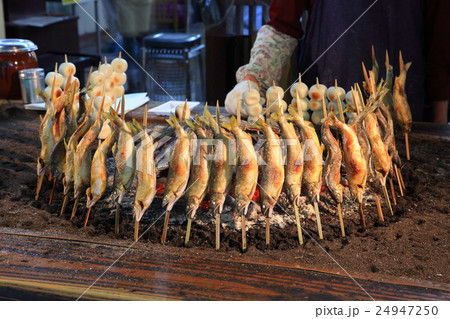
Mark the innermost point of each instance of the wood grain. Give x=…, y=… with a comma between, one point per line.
x=34, y=267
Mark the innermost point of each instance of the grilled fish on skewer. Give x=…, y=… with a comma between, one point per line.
x=146, y=175
x=178, y=176
x=294, y=158
x=355, y=162
x=312, y=164
x=272, y=173
x=247, y=167
x=388, y=99
x=199, y=175
x=99, y=176
x=221, y=167
x=83, y=160
x=401, y=106
x=47, y=142
x=246, y=173
x=294, y=165
x=124, y=156
x=332, y=166
x=69, y=169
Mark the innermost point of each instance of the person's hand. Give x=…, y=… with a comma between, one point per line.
x=235, y=96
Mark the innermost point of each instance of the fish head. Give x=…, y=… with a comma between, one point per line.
x=192, y=205
x=313, y=190
x=293, y=193
x=242, y=205
x=217, y=200
x=356, y=192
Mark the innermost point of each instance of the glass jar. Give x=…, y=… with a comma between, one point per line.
x=15, y=55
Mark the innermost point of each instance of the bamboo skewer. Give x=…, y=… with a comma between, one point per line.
x=64, y=204
x=188, y=230
x=391, y=183
x=136, y=230
x=401, y=178
x=299, y=226
x=267, y=230
x=341, y=219
x=361, y=215
x=217, y=231
x=379, y=210
x=39, y=185
x=118, y=206
x=50, y=201
x=407, y=146
x=386, y=196
x=117, y=218
x=166, y=225
x=318, y=221
x=243, y=233
x=87, y=217
x=399, y=181
x=75, y=207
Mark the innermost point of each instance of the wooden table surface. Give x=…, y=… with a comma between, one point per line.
x=34, y=266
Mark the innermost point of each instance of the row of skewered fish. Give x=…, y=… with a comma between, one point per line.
x=198, y=166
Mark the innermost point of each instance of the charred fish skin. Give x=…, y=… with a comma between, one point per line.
x=272, y=170
x=47, y=139
x=124, y=156
x=200, y=169
x=380, y=156
x=146, y=175
x=99, y=176
x=354, y=160
x=389, y=137
x=69, y=170
x=83, y=159
x=294, y=158
x=179, y=166
x=246, y=168
x=221, y=166
x=312, y=156
x=332, y=167
x=401, y=106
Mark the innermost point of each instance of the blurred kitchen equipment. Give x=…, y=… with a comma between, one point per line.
x=15, y=55
x=30, y=80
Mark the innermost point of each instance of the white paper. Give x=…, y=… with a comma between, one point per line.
x=169, y=107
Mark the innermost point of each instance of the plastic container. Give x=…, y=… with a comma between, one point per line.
x=15, y=55
x=30, y=80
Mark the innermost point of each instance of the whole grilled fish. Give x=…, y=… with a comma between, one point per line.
x=294, y=158
x=401, y=106
x=380, y=157
x=272, y=170
x=179, y=166
x=221, y=166
x=145, y=173
x=200, y=169
x=312, y=157
x=246, y=168
x=83, y=159
x=124, y=156
x=99, y=176
x=332, y=167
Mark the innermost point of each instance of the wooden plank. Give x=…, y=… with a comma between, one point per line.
x=46, y=268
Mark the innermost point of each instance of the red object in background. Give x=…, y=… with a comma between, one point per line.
x=15, y=55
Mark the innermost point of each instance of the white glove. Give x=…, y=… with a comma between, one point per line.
x=235, y=96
